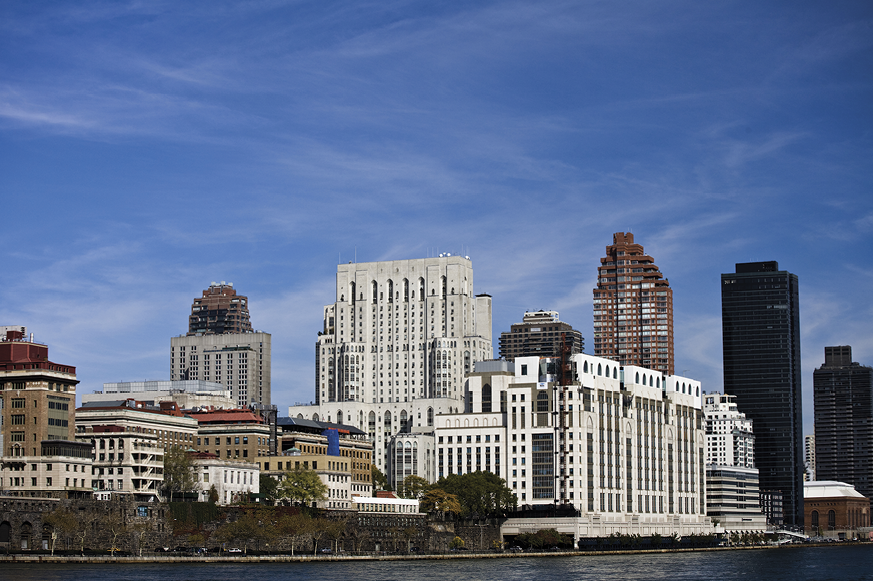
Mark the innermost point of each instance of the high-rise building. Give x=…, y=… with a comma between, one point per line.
x=38, y=456
x=221, y=346
x=396, y=345
x=633, y=308
x=239, y=361
x=219, y=311
x=38, y=397
x=761, y=350
x=843, y=396
x=539, y=335
x=732, y=496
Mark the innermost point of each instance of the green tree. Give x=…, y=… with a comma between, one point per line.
x=249, y=529
x=412, y=486
x=437, y=499
x=295, y=526
x=269, y=488
x=178, y=471
x=380, y=481
x=335, y=530
x=302, y=485
x=318, y=529
x=480, y=493
x=456, y=543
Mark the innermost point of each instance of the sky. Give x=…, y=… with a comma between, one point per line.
x=148, y=149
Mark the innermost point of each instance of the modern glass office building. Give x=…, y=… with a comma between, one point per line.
x=761, y=350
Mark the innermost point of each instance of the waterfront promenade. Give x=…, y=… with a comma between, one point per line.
x=309, y=558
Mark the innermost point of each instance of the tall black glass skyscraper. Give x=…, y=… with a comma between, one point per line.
x=843, y=392
x=760, y=317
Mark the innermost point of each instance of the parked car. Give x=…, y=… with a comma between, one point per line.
x=516, y=549
x=234, y=550
x=326, y=551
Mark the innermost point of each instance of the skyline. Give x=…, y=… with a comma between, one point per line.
x=150, y=149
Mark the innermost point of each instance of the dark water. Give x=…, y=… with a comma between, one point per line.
x=795, y=564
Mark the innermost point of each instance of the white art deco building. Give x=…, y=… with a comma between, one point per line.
x=621, y=447
x=396, y=345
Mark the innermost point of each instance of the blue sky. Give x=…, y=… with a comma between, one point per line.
x=149, y=148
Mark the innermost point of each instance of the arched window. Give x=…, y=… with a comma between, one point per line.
x=339, y=417
x=421, y=289
x=638, y=377
x=5, y=534
x=403, y=420
x=429, y=416
x=658, y=383
x=585, y=367
x=353, y=293
x=486, y=398
x=443, y=279
x=387, y=421
x=375, y=291
x=832, y=520
x=390, y=291
x=599, y=369
x=814, y=519
x=697, y=391
x=405, y=290
x=615, y=372
x=607, y=371
x=314, y=417
x=371, y=423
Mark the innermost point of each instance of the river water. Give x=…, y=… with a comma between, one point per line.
x=842, y=563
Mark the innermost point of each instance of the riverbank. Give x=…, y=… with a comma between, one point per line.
x=214, y=559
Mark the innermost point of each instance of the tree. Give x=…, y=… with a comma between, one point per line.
x=437, y=499
x=269, y=488
x=412, y=486
x=87, y=524
x=139, y=531
x=409, y=533
x=248, y=529
x=380, y=481
x=480, y=493
x=317, y=530
x=294, y=526
x=456, y=543
x=302, y=485
x=114, y=523
x=63, y=522
x=334, y=530
x=178, y=471
x=358, y=536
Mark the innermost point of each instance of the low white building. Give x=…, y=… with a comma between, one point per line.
x=385, y=505
x=187, y=394
x=233, y=481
